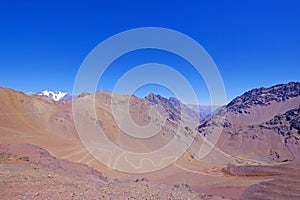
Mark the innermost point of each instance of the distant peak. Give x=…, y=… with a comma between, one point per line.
x=83, y=94
x=151, y=94
x=55, y=95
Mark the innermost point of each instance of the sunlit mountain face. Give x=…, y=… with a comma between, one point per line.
x=258, y=138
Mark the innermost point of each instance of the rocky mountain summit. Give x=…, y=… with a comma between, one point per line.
x=264, y=96
x=173, y=107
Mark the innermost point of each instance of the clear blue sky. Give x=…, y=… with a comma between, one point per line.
x=254, y=43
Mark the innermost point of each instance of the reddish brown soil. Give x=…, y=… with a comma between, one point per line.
x=29, y=172
x=284, y=181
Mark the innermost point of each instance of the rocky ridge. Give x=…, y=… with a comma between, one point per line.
x=264, y=97
x=173, y=108
x=262, y=124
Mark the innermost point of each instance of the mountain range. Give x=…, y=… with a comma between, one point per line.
x=259, y=127
x=203, y=110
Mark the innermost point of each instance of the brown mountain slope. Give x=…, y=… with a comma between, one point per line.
x=173, y=108
x=244, y=133
x=50, y=125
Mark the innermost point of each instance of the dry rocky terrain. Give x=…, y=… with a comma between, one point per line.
x=29, y=172
x=256, y=157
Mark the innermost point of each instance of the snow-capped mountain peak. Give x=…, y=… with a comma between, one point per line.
x=55, y=95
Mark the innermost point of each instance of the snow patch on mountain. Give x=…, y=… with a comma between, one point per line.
x=55, y=95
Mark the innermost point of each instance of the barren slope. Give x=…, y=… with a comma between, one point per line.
x=29, y=172
x=245, y=134
x=246, y=138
